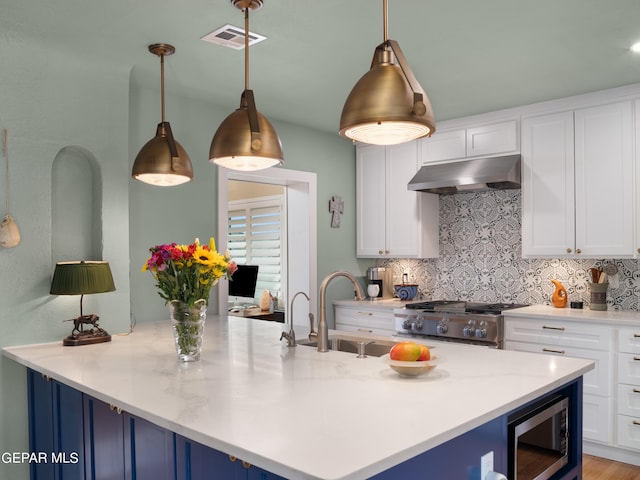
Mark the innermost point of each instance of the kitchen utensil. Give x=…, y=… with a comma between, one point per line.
x=9, y=233
x=596, y=274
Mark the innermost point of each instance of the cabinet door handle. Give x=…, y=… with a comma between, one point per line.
x=246, y=464
x=113, y=408
x=365, y=330
x=578, y=250
x=636, y=390
x=568, y=250
x=637, y=359
x=367, y=314
x=545, y=327
x=636, y=335
x=636, y=422
x=561, y=352
x=380, y=252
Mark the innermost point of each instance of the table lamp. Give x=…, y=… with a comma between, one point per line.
x=81, y=278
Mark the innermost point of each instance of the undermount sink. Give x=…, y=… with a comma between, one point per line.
x=372, y=348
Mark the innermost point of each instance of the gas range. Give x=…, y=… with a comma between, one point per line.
x=454, y=320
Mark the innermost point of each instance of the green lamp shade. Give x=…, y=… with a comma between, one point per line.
x=80, y=278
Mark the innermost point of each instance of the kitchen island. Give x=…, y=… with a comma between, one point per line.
x=296, y=412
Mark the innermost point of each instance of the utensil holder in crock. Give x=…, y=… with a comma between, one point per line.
x=598, y=300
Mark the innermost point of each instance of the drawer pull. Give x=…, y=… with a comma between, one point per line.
x=246, y=464
x=367, y=314
x=365, y=330
x=636, y=422
x=561, y=352
x=637, y=359
x=636, y=335
x=545, y=327
x=232, y=458
x=636, y=390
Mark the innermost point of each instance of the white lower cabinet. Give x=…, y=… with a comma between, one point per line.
x=596, y=420
x=572, y=339
x=629, y=432
x=365, y=319
x=595, y=382
x=628, y=425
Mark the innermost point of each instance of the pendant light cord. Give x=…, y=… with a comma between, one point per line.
x=162, y=83
x=6, y=158
x=246, y=48
x=385, y=20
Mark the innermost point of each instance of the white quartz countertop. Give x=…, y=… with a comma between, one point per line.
x=294, y=411
x=584, y=315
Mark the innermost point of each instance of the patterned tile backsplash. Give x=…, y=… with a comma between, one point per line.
x=481, y=259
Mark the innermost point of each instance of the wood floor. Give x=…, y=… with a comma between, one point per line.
x=596, y=468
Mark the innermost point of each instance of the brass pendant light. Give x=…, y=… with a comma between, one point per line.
x=246, y=140
x=162, y=161
x=387, y=105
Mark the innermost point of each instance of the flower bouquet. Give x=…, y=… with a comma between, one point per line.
x=184, y=277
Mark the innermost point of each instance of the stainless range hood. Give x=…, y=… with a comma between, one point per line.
x=476, y=175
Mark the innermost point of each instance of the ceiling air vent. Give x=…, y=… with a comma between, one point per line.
x=232, y=37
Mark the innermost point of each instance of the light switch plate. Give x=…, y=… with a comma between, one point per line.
x=486, y=465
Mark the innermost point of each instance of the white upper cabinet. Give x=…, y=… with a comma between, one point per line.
x=444, y=146
x=490, y=139
x=577, y=183
x=548, y=227
x=637, y=177
x=393, y=221
x=495, y=139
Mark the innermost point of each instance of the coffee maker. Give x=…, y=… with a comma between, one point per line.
x=383, y=277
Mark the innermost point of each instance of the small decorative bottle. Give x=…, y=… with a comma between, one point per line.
x=559, y=296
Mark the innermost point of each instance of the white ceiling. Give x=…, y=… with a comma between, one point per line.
x=471, y=56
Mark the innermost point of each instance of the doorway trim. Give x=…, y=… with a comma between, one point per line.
x=301, y=198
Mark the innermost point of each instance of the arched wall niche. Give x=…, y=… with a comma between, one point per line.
x=76, y=206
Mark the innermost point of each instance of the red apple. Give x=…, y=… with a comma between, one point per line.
x=425, y=354
x=405, y=351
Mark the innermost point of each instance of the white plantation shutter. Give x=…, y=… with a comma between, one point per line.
x=255, y=238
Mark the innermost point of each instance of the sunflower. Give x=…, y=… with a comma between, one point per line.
x=204, y=256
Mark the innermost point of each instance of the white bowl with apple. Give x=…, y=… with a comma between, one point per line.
x=410, y=359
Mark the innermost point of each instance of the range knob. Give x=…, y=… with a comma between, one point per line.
x=481, y=331
x=416, y=325
x=442, y=328
x=406, y=325
x=470, y=329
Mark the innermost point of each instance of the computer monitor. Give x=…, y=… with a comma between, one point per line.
x=242, y=286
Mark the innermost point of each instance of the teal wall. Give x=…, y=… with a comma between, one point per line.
x=48, y=102
x=52, y=101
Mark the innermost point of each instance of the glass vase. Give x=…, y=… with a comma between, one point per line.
x=188, y=328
